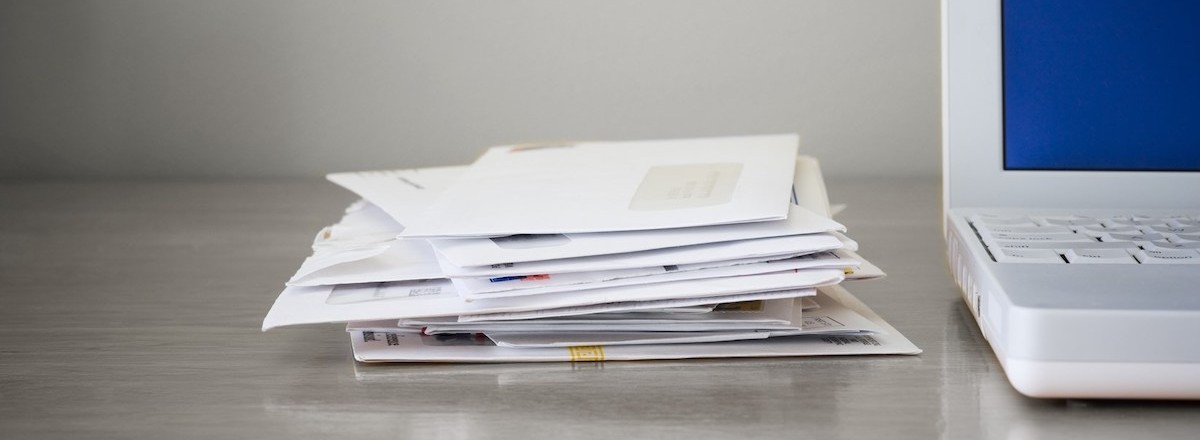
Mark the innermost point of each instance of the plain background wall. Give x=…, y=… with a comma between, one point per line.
x=281, y=88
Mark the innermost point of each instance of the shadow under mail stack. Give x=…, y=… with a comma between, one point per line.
x=718, y=247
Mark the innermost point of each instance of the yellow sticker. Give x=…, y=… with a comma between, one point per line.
x=587, y=353
x=848, y=270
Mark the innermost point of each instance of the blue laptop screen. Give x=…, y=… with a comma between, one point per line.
x=1109, y=85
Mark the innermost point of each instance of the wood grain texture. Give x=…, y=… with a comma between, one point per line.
x=131, y=310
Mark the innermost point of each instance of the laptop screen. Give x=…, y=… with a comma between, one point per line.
x=1101, y=85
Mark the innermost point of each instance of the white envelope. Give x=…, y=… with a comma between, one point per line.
x=402, y=194
x=610, y=339
x=694, y=288
x=700, y=253
x=772, y=311
x=528, y=247
x=832, y=318
x=638, y=306
x=413, y=299
x=615, y=186
x=476, y=288
x=680, y=307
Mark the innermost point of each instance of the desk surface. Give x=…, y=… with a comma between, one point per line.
x=131, y=310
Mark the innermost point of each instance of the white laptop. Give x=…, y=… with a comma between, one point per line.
x=1071, y=150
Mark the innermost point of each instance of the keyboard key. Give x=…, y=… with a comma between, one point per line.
x=1099, y=256
x=1186, y=237
x=1027, y=256
x=1102, y=229
x=1140, y=220
x=1120, y=236
x=1005, y=221
x=1167, y=256
x=1147, y=219
x=1135, y=221
x=1118, y=221
x=1175, y=229
x=1059, y=246
x=1166, y=245
x=1006, y=229
x=1071, y=221
x=1060, y=236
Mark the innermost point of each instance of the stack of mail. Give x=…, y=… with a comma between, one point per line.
x=718, y=247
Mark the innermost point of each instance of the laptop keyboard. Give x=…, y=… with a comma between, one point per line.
x=1090, y=240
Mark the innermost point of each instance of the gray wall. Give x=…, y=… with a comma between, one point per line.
x=273, y=88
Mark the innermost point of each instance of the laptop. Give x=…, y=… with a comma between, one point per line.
x=1071, y=179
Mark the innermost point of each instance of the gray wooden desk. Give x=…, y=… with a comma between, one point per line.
x=131, y=310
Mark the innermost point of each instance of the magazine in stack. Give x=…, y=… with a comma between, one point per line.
x=590, y=251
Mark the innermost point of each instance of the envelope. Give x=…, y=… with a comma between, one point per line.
x=530, y=247
x=832, y=318
x=425, y=298
x=637, y=306
x=700, y=253
x=477, y=288
x=609, y=339
x=351, y=252
x=753, y=315
x=615, y=186
x=674, y=306
x=413, y=347
x=772, y=311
